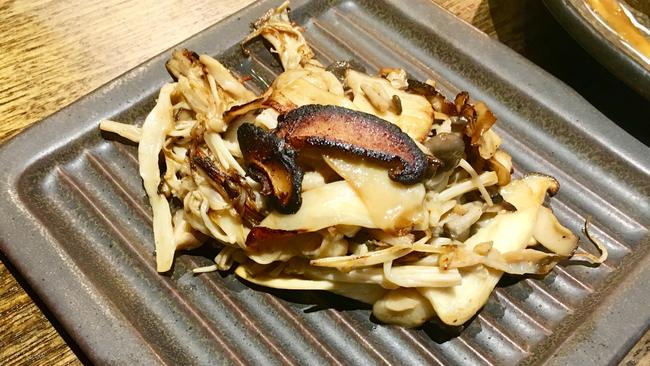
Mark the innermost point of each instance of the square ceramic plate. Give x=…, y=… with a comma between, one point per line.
x=77, y=225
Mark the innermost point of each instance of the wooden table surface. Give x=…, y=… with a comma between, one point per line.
x=53, y=52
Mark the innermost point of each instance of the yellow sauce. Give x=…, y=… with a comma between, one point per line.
x=611, y=12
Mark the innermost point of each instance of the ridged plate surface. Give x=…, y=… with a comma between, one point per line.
x=78, y=227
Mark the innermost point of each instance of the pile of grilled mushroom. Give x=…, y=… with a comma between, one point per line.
x=377, y=188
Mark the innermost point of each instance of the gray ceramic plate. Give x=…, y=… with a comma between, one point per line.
x=77, y=226
x=603, y=43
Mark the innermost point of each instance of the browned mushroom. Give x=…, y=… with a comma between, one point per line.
x=437, y=100
x=503, y=173
x=271, y=156
x=482, y=122
x=465, y=111
x=418, y=87
x=358, y=133
x=272, y=163
x=479, y=118
x=262, y=238
x=340, y=68
x=229, y=185
x=184, y=63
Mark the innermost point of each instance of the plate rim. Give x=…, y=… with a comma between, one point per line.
x=606, y=52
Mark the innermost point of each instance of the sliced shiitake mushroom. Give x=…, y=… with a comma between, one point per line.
x=264, y=245
x=273, y=164
x=271, y=155
x=262, y=238
x=358, y=133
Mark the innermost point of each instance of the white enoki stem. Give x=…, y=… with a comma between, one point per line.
x=458, y=189
x=205, y=269
x=600, y=245
x=475, y=179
